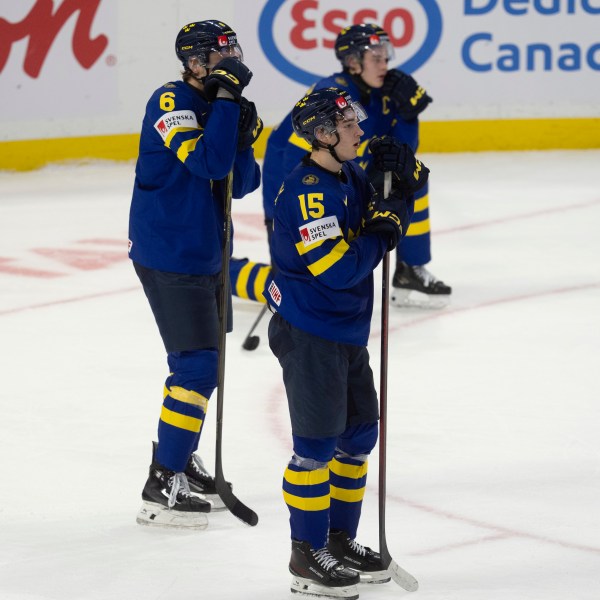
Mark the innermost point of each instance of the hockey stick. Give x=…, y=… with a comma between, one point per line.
x=404, y=579
x=235, y=506
x=251, y=342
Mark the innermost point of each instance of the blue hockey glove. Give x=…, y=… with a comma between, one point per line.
x=250, y=125
x=389, y=216
x=230, y=74
x=385, y=223
x=380, y=211
x=389, y=154
x=409, y=98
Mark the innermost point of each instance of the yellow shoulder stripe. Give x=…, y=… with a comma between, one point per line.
x=187, y=147
x=302, y=249
x=298, y=141
x=175, y=131
x=337, y=253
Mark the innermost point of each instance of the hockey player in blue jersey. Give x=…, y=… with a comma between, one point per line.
x=393, y=102
x=330, y=231
x=194, y=132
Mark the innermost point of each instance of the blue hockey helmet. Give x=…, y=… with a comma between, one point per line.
x=322, y=111
x=201, y=38
x=353, y=41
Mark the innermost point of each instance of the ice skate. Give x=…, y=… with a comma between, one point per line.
x=317, y=573
x=203, y=483
x=360, y=558
x=416, y=287
x=167, y=501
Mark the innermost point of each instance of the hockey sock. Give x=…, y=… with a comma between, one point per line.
x=415, y=247
x=248, y=278
x=306, y=493
x=348, y=476
x=185, y=402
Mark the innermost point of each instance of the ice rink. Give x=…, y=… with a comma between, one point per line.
x=493, y=417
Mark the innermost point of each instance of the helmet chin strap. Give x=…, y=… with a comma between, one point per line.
x=331, y=148
x=203, y=79
x=199, y=79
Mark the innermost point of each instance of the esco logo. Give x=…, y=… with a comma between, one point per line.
x=314, y=24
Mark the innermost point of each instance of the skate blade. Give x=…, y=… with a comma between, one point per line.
x=374, y=577
x=155, y=515
x=401, y=298
x=307, y=587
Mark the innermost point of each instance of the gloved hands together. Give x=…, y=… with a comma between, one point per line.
x=230, y=74
x=407, y=95
x=250, y=125
x=389, y=154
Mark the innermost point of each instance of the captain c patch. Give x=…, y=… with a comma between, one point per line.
x=320, y=230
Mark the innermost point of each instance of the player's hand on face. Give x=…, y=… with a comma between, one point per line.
x=231, y=75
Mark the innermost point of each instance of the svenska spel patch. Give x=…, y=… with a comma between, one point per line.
x=321, y=229
x=177, y=118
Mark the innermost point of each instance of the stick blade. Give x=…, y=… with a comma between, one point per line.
x=251, y=343
x=235, y=506
x=403, y=578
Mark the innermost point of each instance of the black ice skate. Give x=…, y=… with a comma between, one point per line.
x=416, y=287
x=202, y=482
x=167, y=501
x=360, y=558
x=317, y=573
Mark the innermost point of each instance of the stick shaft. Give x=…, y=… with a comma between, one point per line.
x=235, y=506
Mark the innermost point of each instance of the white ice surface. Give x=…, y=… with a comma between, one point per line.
x=494, y=403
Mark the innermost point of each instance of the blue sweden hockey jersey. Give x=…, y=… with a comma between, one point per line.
x=325, y=280
x=285, y=149
x=187, y=146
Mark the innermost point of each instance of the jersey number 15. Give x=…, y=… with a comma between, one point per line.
x=313, y=207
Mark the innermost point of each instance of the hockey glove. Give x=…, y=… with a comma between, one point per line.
x=389, y=154
x=407, y=95
x=399, y=202
x=384, y=223
x=391, y=215
x=250, y=125
x=231, y=75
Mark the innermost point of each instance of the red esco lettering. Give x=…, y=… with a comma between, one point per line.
x=335, y=20
x=296, y=34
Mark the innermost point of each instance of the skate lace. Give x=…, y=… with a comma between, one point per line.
x=198, y=466
x=179, y=485
x=358, y=548
x=324, y=558
x=424, y=275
